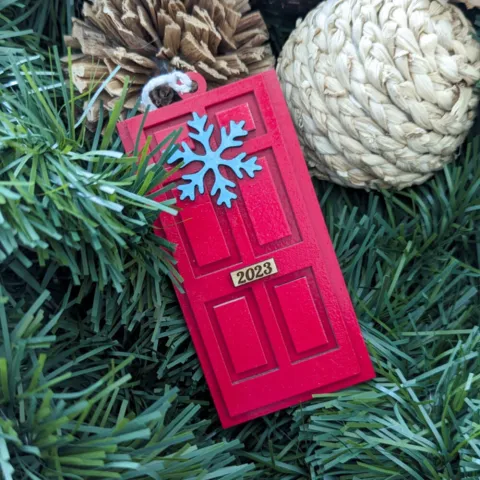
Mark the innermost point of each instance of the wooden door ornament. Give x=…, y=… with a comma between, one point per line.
x=265, y=300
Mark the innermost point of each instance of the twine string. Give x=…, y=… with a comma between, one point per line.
x=178, y=81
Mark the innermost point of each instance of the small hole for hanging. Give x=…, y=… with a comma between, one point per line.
x=194, y=87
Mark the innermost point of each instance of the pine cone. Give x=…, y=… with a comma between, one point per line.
x=217, y=38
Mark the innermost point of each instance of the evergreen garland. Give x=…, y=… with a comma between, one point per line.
x=98, y=376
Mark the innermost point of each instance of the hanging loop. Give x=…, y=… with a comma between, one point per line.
x=184, y=84
x=201, y=85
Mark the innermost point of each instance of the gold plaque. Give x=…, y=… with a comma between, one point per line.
x=254, y=272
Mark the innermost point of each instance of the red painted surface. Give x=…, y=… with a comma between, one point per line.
x=276, y=341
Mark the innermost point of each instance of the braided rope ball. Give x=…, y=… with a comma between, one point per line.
x=381, y=91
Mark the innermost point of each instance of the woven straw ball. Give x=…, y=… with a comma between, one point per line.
x=381, y=91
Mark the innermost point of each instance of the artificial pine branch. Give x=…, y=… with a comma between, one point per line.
x=70, y=199
x=69, y=414
x=411, y=263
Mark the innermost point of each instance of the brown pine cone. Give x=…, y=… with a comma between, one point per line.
x=217, y=38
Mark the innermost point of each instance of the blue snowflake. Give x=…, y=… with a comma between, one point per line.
x=212, y=160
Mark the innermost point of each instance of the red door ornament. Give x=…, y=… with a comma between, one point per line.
x=265, y=300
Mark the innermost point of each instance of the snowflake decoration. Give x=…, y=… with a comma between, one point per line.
x=212, y=160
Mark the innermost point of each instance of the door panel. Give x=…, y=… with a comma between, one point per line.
x=263, y=191
x=278, y=229
x=241, y=336
x=202, y=218
x=200, y=225
x=275, y=341
x=303, y=320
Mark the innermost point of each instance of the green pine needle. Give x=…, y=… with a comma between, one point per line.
x=98, y=374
